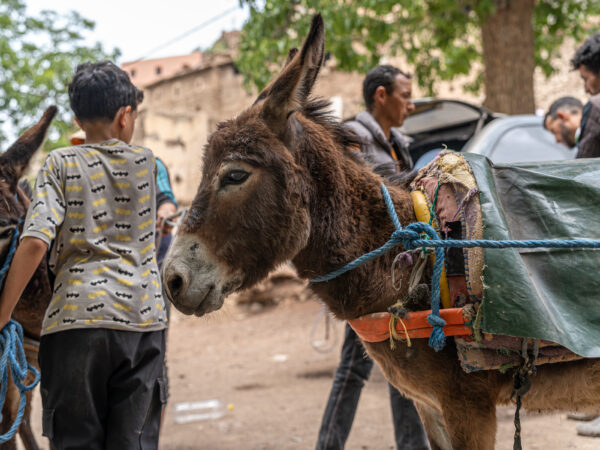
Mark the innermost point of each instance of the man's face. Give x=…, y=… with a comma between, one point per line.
x=591, y=80
x=563, y=128
x=398, y=105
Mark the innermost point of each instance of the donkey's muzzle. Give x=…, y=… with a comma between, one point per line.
x=191, y=280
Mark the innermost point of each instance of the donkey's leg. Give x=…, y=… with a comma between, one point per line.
x=434, y=427
x=25, y=431
x=471, y=422
x=9, y=414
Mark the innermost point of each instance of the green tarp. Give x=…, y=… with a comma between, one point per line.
x=551, y=294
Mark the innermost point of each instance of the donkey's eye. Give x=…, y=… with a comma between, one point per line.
x=234, y=177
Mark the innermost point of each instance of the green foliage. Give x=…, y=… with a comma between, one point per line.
x=440, y=38
x=38, y=56
x=554, y=20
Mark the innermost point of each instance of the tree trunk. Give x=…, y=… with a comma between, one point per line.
x=508, y=55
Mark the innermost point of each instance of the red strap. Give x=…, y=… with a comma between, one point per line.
x=376, y=327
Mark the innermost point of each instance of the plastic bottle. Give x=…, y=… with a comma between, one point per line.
x=186, y=412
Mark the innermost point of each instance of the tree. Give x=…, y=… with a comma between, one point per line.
x=38, y=56
x=499, y=42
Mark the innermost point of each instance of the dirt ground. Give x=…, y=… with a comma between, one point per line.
x=263, y=364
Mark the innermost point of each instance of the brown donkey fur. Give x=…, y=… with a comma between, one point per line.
x=279, y=183
x=30, y=310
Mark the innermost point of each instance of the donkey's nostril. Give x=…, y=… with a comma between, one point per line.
x=175, y=285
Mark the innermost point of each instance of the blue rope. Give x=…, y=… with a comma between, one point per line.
x=10, y=254
x=13, y=354
x=13, y=358
x=410, y=238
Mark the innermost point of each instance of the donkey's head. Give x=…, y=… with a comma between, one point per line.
x=13, y=162
x=251, y=211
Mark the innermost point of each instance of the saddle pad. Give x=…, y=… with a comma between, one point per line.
x=548, y=294
x=496, y=352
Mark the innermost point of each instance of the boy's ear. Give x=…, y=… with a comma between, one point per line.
x=122, y=115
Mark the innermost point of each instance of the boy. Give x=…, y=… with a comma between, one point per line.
x=102, y=348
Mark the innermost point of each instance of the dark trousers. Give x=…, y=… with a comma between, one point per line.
x=354, y=369
x=102, y=389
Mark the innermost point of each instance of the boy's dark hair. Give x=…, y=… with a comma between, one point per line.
x=99, y=89
x=588, y=55
x=561, y=104
x=380, y=76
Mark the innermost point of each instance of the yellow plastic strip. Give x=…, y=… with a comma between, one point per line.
x=422, y=213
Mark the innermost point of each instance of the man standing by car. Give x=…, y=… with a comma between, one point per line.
x=565, y=120
x=387, y=93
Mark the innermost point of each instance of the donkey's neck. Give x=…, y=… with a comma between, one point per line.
x=349, y=218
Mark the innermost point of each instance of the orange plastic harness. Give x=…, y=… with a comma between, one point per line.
x=376, y=327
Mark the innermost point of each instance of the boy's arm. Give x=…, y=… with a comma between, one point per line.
x=29, y=253
x=164, y=192
x=165, y=199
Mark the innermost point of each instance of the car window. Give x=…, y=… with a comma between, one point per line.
x=439, y=115
x=528, y=143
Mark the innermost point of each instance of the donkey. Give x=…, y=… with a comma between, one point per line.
x=29, y=312
x=281, y=182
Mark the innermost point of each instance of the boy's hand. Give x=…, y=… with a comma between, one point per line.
x=165, y=210
x=3, y=322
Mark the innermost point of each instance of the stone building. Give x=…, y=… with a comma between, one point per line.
x=148, y=71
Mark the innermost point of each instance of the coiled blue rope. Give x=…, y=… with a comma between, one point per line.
x=13, y=354
x=411, y=238
x=13, y=357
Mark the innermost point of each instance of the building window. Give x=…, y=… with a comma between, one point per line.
x=132, y=73
x=158, y=70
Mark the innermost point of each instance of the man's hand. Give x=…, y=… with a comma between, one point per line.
x=165, y=210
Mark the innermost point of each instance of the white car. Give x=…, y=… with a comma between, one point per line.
x=469, y=128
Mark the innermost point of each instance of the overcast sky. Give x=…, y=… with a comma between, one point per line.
x=137, y=27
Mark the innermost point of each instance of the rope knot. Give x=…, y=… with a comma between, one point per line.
x=437, y=340
x=406, y=238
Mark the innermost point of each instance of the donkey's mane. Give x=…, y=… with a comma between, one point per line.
x=318, y=110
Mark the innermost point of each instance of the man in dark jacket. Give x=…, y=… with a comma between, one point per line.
x=387, y=93
x=574, y=126
x=587, y=61
x=571, y=123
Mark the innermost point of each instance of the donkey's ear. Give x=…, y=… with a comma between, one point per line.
x=293, y=52
x=293, y=85
x=263, y=94
x=18, y=155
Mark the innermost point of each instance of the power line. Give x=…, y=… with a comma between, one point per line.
x=187, y=33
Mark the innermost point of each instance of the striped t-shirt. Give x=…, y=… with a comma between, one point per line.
x=95, y=205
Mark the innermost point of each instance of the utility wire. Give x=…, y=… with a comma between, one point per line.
x=187, y=33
